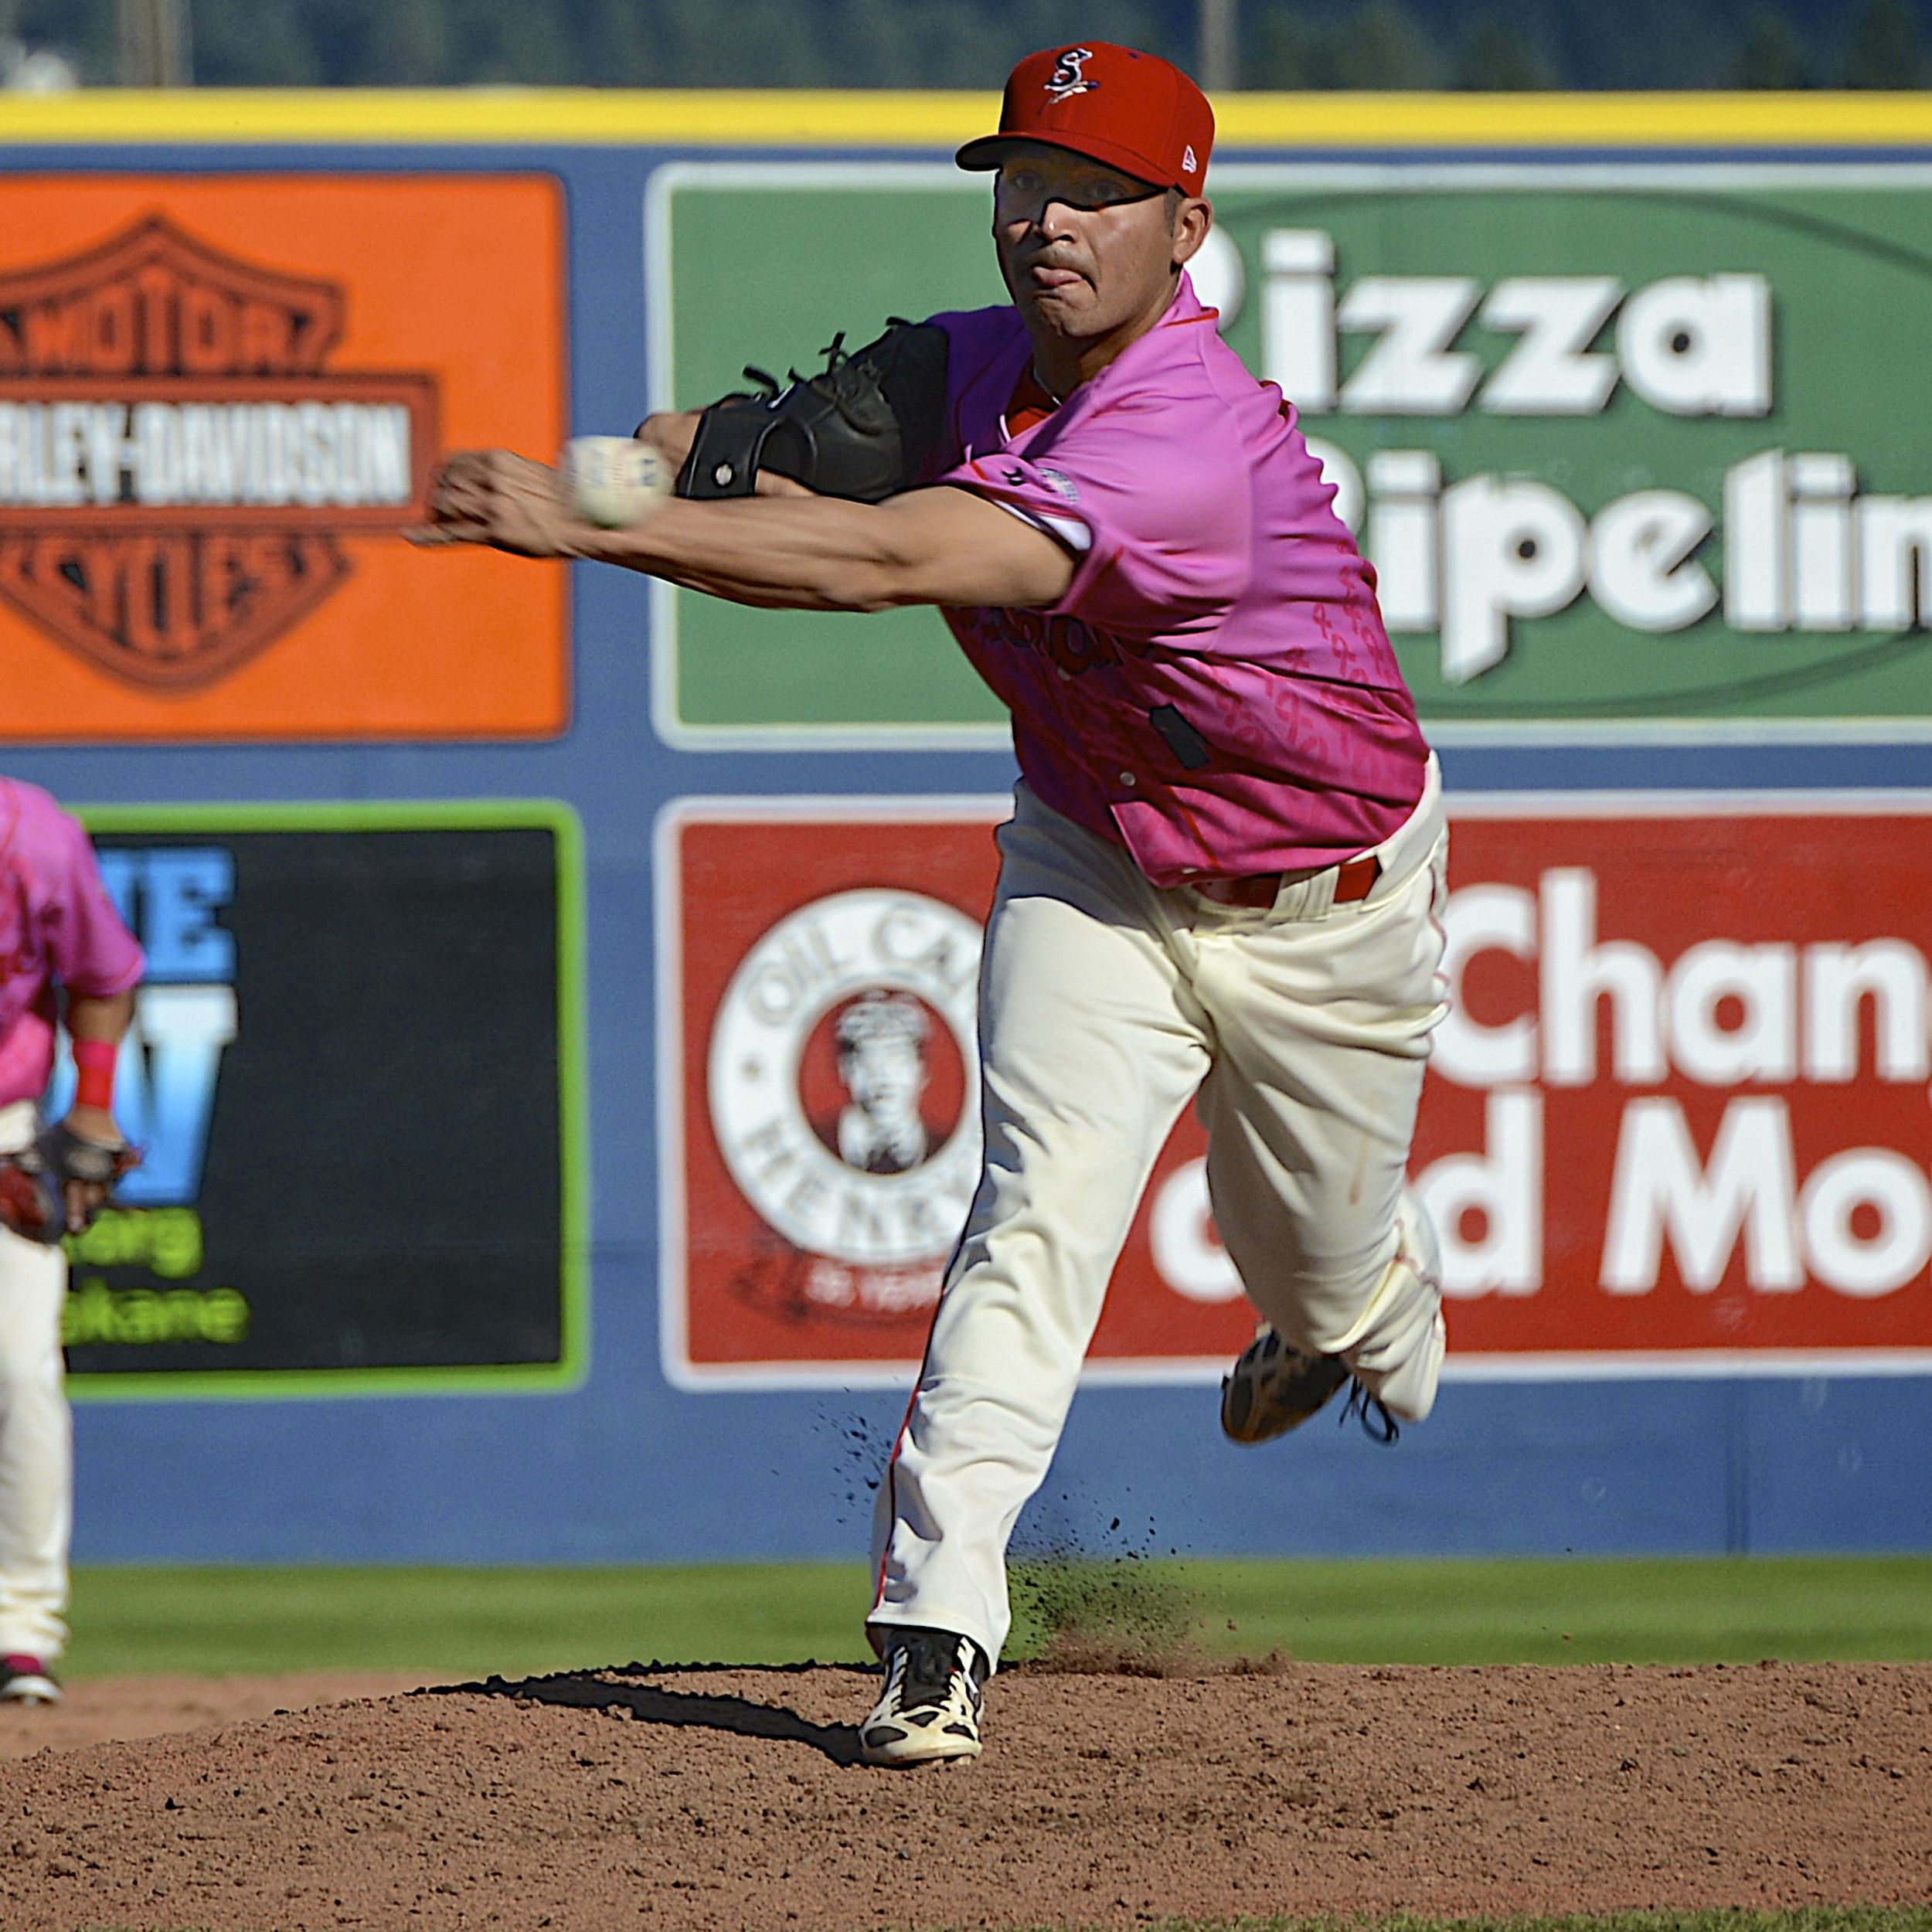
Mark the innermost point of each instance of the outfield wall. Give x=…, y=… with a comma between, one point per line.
x=504, y=1199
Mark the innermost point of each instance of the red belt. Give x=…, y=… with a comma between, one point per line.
x=1353, y=881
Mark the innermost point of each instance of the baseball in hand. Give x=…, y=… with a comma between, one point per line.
x=614, y=481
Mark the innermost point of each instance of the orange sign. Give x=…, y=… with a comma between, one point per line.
x=221, y=401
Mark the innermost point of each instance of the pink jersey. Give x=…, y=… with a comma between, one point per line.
x=1214, y=691
x=57, y=927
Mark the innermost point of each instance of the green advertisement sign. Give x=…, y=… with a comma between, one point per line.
x=1637, y=450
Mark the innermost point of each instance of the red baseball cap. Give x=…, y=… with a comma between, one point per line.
x=1134, y=111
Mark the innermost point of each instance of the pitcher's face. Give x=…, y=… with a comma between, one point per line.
x=1085, y=249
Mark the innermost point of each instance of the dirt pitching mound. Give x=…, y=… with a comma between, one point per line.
x=695, y=1799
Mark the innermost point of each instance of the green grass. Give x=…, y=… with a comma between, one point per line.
x=1829, y=1918
x=1855, y=1918
x=1822, y=1918
x=459, y=1622
x=1729, y=1610
x=468, y=1623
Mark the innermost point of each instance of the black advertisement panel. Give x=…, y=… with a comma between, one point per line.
x=355, y=1075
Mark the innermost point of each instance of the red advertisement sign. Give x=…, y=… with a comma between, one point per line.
x=1677, y=1121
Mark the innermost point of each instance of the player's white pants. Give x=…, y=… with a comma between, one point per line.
x=1105, y=1003
x=36, y=1435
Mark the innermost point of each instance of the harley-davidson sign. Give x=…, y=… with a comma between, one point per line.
x=217, y=414
x=176, y=462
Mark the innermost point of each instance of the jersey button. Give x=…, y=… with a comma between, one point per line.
x=1128, y=778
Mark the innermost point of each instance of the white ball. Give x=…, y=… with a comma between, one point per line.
x=614, y=481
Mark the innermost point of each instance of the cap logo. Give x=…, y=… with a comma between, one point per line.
x=1067, y=78
x=1189, y=164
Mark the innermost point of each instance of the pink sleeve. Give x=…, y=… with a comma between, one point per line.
x=1160, y=490
x=91, y=950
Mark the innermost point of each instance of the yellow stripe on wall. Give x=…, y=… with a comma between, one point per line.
x=703, y=118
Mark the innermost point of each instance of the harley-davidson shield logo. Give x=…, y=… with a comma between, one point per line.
x=176, y=462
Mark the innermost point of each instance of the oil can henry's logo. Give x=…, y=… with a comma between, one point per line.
x=844, y=1091
x=177, y=465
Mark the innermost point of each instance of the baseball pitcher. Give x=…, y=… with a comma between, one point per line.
x=1224, y=872
x=58, y=930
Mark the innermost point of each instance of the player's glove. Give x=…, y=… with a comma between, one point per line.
x=861, y=428
x=33, y=1180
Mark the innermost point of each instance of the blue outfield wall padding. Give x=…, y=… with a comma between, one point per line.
x=626, y=1467
x=643, y=1476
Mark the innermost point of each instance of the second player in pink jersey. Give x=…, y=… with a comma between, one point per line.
x=1222, y=879
x=59, y=934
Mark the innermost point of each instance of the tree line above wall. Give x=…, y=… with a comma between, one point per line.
x=1283, y=44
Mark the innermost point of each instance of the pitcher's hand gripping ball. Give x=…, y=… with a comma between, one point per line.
x=34, y=1181
x=613, y=481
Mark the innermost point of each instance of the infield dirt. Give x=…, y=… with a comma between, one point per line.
x=693, y=1799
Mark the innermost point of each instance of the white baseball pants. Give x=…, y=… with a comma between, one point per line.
x=1106, y=1003
x=36, y=1434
